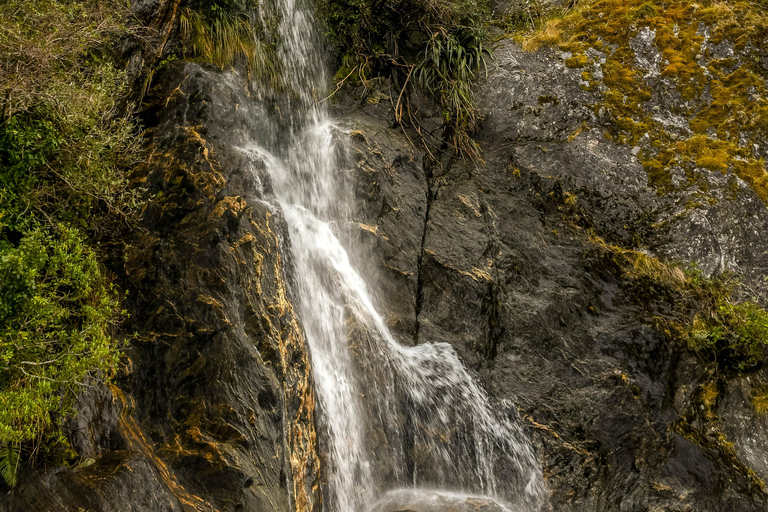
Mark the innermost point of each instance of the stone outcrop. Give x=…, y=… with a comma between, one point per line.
x=214, y=408
x=501, y=261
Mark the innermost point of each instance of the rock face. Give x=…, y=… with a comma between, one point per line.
x=214, y=409
x=500, y=261
x=220, y=366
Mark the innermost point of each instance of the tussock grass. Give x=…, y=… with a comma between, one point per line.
x=223, y=37
x=449, y=64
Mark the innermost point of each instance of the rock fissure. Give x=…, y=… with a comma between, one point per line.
x=429, y=198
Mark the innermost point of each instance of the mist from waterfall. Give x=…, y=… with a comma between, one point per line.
x=391, y=417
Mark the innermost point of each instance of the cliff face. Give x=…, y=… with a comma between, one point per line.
x=505, y=261
x=220, y=367
x=214, y=409
x=509, y=261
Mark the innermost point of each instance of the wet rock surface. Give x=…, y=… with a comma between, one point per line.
x=501, y=264
x=424, y=500
x=213, y=409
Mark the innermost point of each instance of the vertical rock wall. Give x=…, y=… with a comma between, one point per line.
x=214, y=407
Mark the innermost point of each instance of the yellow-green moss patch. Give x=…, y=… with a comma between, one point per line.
x=724, y=100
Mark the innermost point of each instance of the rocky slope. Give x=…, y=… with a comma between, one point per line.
x=503, y=261
x=507, y=261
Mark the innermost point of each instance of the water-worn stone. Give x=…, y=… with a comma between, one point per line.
x=507, y=273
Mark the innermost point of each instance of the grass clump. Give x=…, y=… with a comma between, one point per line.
x=449, y=63
x=227, y=32
x=433, y=45
x=722, y=130
x=65, y=144
x=699, y=311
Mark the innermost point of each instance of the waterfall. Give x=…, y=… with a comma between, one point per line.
x=399, y=424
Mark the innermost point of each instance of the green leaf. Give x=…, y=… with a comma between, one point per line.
x=9, y=463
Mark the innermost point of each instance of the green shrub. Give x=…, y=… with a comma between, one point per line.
x=64, y=147
x=56, y=312
x=66, y=144
x=738, y=332
x=439, y=42
x=700, y=311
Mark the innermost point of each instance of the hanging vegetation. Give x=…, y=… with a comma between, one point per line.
x=224, y=34
x=435, y=46
x=64, y=152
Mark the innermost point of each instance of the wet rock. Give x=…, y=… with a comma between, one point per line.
x=214, y=409
x=220, y=369
x=424, y=500
x=507, y=275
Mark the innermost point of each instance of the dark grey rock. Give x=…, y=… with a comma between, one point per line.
x=508, y=275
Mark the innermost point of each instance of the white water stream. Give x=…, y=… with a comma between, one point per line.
x=393, y=419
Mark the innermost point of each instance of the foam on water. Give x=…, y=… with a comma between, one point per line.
x=391, y=416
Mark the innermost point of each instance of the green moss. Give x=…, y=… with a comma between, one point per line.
x=735, y=118
x=699, y=312
x=577, y=61
x=759, y=400
x=643, y=12
x=548, y=100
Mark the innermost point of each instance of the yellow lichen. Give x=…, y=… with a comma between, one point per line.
x=577, y=61
x=760, y=401
x=724, y=128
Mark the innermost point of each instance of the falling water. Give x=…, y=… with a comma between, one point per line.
x=399, y=423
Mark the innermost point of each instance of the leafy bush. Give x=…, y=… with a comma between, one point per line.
x=56, y=311
x=737, y=332
x=448, y=66
x=65, y=145
x=438, y=41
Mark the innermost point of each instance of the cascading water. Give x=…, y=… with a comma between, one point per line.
x=393, y=417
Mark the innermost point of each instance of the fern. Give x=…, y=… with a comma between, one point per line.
x=9, y=463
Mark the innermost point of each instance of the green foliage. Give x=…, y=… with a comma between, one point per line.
x=56, y=310
x=738, y=332
x=689, y=306
x=449, y=63
x=438, y=41
x=228, y=32
x=63, y=148
x=26, y=143
x=65, y=145
x=9, y=463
